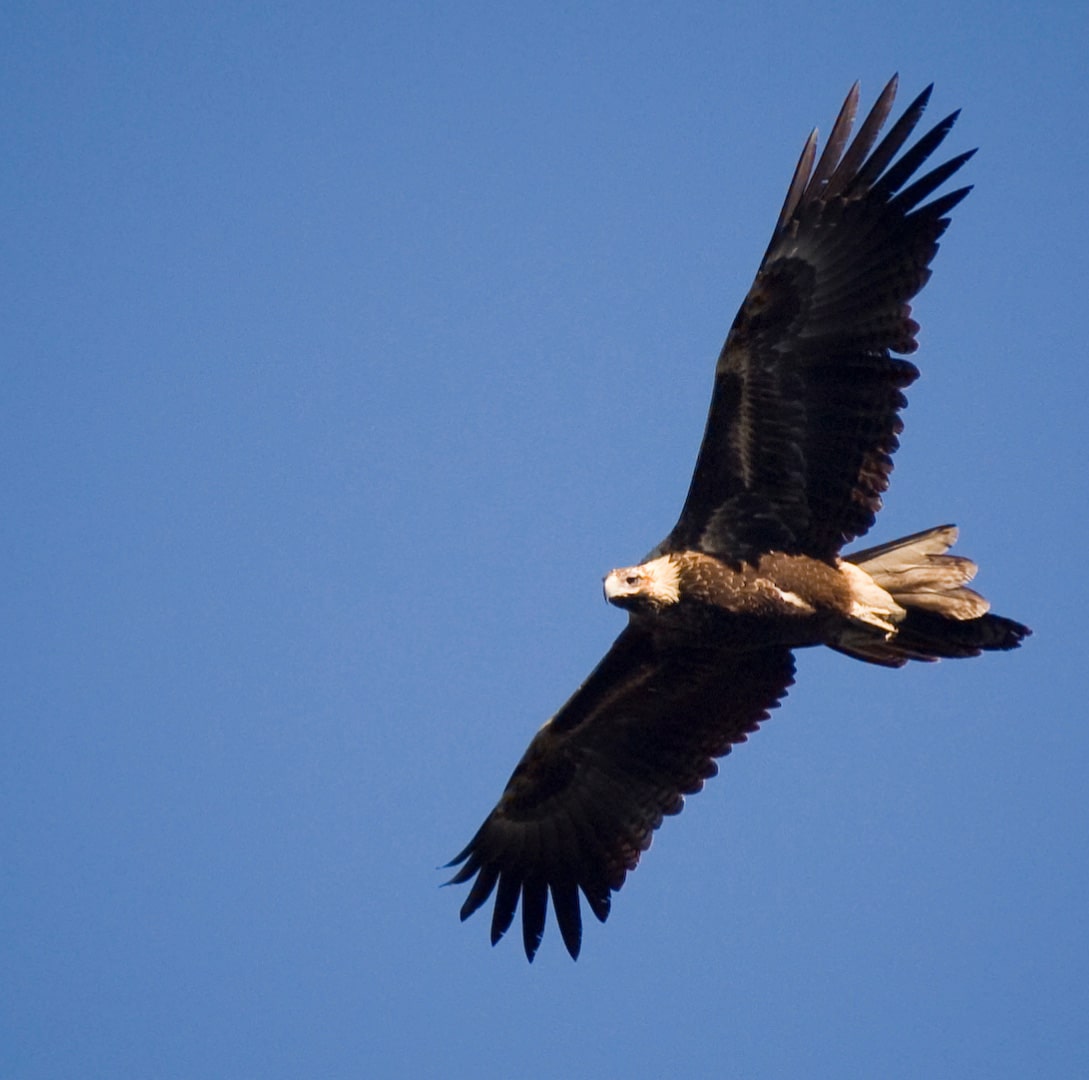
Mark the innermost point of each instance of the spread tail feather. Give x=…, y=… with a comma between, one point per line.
x=942, y=616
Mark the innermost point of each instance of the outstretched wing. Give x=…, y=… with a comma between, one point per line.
x=804, y=416
x=640, y=734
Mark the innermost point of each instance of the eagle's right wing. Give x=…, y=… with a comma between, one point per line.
x=804, y=415
x=641, y=733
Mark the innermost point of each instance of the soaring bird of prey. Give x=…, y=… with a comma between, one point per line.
x=797, y=451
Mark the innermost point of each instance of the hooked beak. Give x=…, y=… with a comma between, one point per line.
x=609, y=585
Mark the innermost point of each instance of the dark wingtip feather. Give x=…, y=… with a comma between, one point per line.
x=921, y=101
x=837, y=140
x=600, y=901
x=916, y=192
x=534, y=912
x=864, y=140
x=467, y=871
x=506, y=903
x=899, y=173
x=890, y=145
x=461, y=856
x=798, y=182
x=481, y=890
x=565, y=902
x=941, y=206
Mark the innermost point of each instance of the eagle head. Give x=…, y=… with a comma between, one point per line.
x=652, y=586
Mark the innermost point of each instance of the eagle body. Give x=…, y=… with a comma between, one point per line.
x=792, y=591
x=789, y=599
x=875, y=598
x=796, y=454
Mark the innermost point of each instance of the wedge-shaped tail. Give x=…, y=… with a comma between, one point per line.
x=942, y=616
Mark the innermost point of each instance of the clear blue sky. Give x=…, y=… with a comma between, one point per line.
x=345, y=347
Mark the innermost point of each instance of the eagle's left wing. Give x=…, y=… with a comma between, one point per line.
x=640, y=734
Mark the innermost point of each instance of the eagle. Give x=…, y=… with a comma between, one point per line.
x=797, y=451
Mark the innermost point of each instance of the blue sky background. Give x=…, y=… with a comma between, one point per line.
x=345, y=347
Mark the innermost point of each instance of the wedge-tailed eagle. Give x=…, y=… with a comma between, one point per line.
x=797, y=451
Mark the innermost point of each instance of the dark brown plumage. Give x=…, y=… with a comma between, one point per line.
x=797, y=452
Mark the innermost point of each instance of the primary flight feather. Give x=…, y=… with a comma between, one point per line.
x=797, y=452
